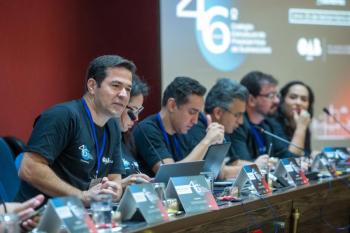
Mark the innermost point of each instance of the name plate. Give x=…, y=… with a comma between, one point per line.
x=193, y=193
x=337, y=153
x=321, y=164
x=142, y=200
x=67, y=211
x=289, y=168
x=251, y=173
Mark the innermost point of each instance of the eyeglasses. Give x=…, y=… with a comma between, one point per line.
x=235, y=114
x=271, y=95
x=135, y=111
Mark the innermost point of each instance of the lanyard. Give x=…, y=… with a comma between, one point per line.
x=259, y=139
x=99, y=151
x=177, y=155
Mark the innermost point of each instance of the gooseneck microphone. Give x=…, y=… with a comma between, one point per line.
x=325, y=110
x=280, y=139
x=133, y=118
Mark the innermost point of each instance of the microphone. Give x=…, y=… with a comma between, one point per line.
x=280, y=138
x=325, y=110
x=133, y=118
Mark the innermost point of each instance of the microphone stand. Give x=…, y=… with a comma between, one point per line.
x=287, y=142
x=133, y=118
x=281, y=139
x=336, y=120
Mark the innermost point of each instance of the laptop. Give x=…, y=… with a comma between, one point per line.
x=214, y=158
x=178, y=169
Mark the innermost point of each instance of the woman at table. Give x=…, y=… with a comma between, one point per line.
x=294, y=115
x=127, y=120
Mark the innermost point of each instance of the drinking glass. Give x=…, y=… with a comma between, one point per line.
x=101, y=207
x=9, y=223
x=209, y=177
x=159, y=188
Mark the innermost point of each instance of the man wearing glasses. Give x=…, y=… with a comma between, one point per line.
x=225, y=104
x=248, y=142
x=157, y=137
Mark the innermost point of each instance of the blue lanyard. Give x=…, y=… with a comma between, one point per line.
x=99, y=151
x=177, y=155
x=259, y=139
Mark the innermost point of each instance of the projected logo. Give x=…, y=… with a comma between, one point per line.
x=214, y=21
x=221, y=38
x=309, y=48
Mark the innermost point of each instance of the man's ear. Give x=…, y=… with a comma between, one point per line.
x=171, y=104
x=251, y=101
x=217, y=114
x=91, y=86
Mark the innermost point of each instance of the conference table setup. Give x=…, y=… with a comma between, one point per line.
x=173, y=116
x=286, y=199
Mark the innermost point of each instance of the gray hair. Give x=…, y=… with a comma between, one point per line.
x=223, y=93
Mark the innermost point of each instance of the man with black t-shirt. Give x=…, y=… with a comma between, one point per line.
x=74, y=148
x=248, y=142
x=157, y=139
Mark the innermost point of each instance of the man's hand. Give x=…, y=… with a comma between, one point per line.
x=135, y=178
x=25, y=209
x=262, y=161
x=111, y=187
x=106, y=187
x=215, y=133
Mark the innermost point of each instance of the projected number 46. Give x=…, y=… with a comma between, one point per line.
x=213, y=30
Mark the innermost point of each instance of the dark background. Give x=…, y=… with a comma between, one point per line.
x=46, y=45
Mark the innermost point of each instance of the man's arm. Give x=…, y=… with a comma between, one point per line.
x=215, y=134
x=35, y=170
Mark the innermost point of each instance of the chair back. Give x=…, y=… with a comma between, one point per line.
x=9, y=180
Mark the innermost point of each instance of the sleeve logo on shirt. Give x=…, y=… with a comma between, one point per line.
x=126, y=164
x=85, y=153
x=107, y=160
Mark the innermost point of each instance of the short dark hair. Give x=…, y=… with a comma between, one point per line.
x=254, y=80
x=97, y=67
x=181, y=88
x=138, y=87
x=223, y=93
x=284, y=91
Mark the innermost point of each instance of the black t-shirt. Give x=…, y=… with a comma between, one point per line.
x=131, y=166
x=63, y=135
x=148, y=156
x=245, y=145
